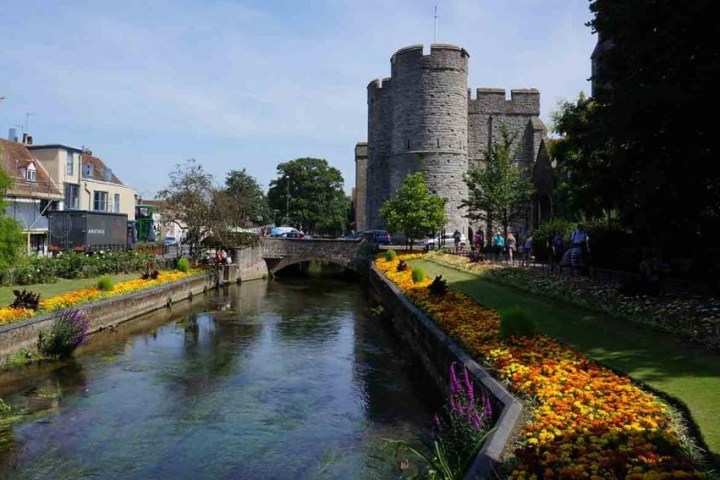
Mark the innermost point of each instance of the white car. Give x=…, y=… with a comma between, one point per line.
x=449, y=241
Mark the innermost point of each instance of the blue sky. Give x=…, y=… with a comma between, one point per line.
x=147, y=84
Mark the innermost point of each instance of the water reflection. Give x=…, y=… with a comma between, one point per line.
x=262, y=380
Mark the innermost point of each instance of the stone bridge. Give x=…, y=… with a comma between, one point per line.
x=274, y=254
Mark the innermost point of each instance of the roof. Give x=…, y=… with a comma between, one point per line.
x=15, y=156
x=54, y=145
x=98, y=169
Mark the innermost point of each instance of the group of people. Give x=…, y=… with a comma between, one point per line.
x=574, y=255
x=222, y=257
x=501, y=245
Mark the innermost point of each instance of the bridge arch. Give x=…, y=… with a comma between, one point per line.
x=279, y=253
x=275, y=265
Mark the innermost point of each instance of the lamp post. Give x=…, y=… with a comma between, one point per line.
x=287, y=200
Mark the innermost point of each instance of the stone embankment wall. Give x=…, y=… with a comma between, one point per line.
x=104, y=314
x=437, y=351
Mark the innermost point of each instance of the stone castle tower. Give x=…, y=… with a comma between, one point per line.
x=423, y=118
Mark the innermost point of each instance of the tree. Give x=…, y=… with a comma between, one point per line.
x=11, y=237
x=310, y=193
x=499, y=190
x=247, y=199
x=209, y=213
x=413, y=209
x=189, y=200
x=653, y=83
x=583, y=152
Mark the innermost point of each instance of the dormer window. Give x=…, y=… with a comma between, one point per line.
x=88, y=170
x=107, y=174
x=31, y=173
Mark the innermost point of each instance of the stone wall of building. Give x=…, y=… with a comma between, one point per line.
x=380, y=128
x=423, y=118
x=361, y=160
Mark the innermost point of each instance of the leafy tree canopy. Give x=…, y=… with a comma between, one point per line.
x=247, y=198
x=499, y=190
x=211, y=214
x=413, y=209
x=654, y=81
x=316, y=199
x=11, y=237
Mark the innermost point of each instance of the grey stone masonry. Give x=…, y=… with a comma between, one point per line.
x=361, y=160
x=423, y=118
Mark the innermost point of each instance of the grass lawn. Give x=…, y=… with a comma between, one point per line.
x=688, y=373
x=47, y=290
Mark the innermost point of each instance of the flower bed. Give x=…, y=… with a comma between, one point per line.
x=695, y=318
x=88, y=295
x=588, y=422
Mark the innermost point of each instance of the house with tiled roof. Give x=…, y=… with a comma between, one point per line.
x=33, y=193
x=87, y=182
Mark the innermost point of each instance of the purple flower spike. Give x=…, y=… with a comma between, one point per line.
x=469, y=387
x=487, y=406
x=454, y=383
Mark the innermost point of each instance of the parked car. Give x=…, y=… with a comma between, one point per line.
x=170, y=240
x=298, y=235
x=446, y=240
x=282, y=232
x=379, y=236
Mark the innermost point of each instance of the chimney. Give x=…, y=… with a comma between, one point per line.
x=12, y=135
x=27, y=139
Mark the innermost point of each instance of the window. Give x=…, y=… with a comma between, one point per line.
x=70, y=164
x=31, y=173
x=88, y=170
x=72, y=196
x=117, y=203
x=100, y=202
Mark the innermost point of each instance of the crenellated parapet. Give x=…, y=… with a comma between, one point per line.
x=492, y=101
x=424, y=119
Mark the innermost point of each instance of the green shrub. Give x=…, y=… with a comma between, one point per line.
x=30, y=270
x=105, y=284
x=515, y=322
x=418, y=274
x=183, y=264
x=68, y=332
x=390, y=255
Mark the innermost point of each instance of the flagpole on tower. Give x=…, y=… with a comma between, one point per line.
x=435, y=24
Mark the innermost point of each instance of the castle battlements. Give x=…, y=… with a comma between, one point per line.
x=492, y=101
x=378, y=83
x=423, y=118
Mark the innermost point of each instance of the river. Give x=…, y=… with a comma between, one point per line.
x=288, y=379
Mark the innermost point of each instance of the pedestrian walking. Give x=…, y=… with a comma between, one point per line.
x=511, y=244
x=527, y=254
x=498, y=243
x=456, y=238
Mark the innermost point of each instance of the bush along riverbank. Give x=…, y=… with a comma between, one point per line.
x=89, y=295
x=587, y=421
x=694, y=318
